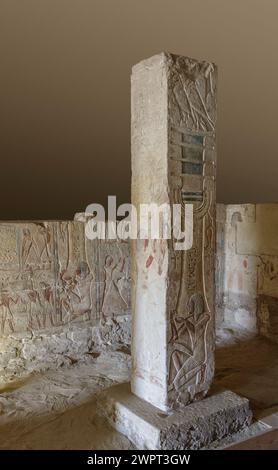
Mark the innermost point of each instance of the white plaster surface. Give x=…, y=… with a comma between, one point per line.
x=247, y=267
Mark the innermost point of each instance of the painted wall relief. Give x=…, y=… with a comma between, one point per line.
x=114, y=286
x=76, y=274
x=27, y=279
x=51, y=275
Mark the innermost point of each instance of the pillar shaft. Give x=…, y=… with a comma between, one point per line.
x=173, y=117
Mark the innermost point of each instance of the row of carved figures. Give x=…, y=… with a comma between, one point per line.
x=74, y=296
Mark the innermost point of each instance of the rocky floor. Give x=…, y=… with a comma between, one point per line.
x=56, y=409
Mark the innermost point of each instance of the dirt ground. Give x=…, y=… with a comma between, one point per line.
x=57, y=409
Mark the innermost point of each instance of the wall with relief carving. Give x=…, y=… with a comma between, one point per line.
x=247, y=267
x=54, y=282
x=52, y=275
x=62, y=295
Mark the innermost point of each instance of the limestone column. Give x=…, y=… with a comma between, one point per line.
x=173, y=116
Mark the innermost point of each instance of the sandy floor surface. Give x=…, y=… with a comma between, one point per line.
x=247, y=365
x=57, y=409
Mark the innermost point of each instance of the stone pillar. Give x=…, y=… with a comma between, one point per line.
x=173, y=161
x=173, y=116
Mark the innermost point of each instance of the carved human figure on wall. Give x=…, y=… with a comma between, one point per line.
x=66, y=294
x=6, y=314
x=63, y=244
x=82, y=301
x=113, y=296
x=29, y=247
x=35, y=309
x=45, y=252
x=76, y=296
x=46, y=296
x=188, y=358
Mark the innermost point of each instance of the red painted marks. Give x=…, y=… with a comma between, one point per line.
x=149, y=261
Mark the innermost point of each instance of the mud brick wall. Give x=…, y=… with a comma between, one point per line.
x=248, y=258
x=55, y=283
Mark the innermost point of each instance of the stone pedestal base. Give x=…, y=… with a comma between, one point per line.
x=193, y=427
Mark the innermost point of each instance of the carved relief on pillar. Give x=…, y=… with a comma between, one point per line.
x=189, y=347
x=173, y=132
x=192, y=174
x=193, y=313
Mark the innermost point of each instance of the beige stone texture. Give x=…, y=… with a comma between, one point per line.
x=197, y=425
x=173, y=116
x=250, y=276
x=61, y=295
